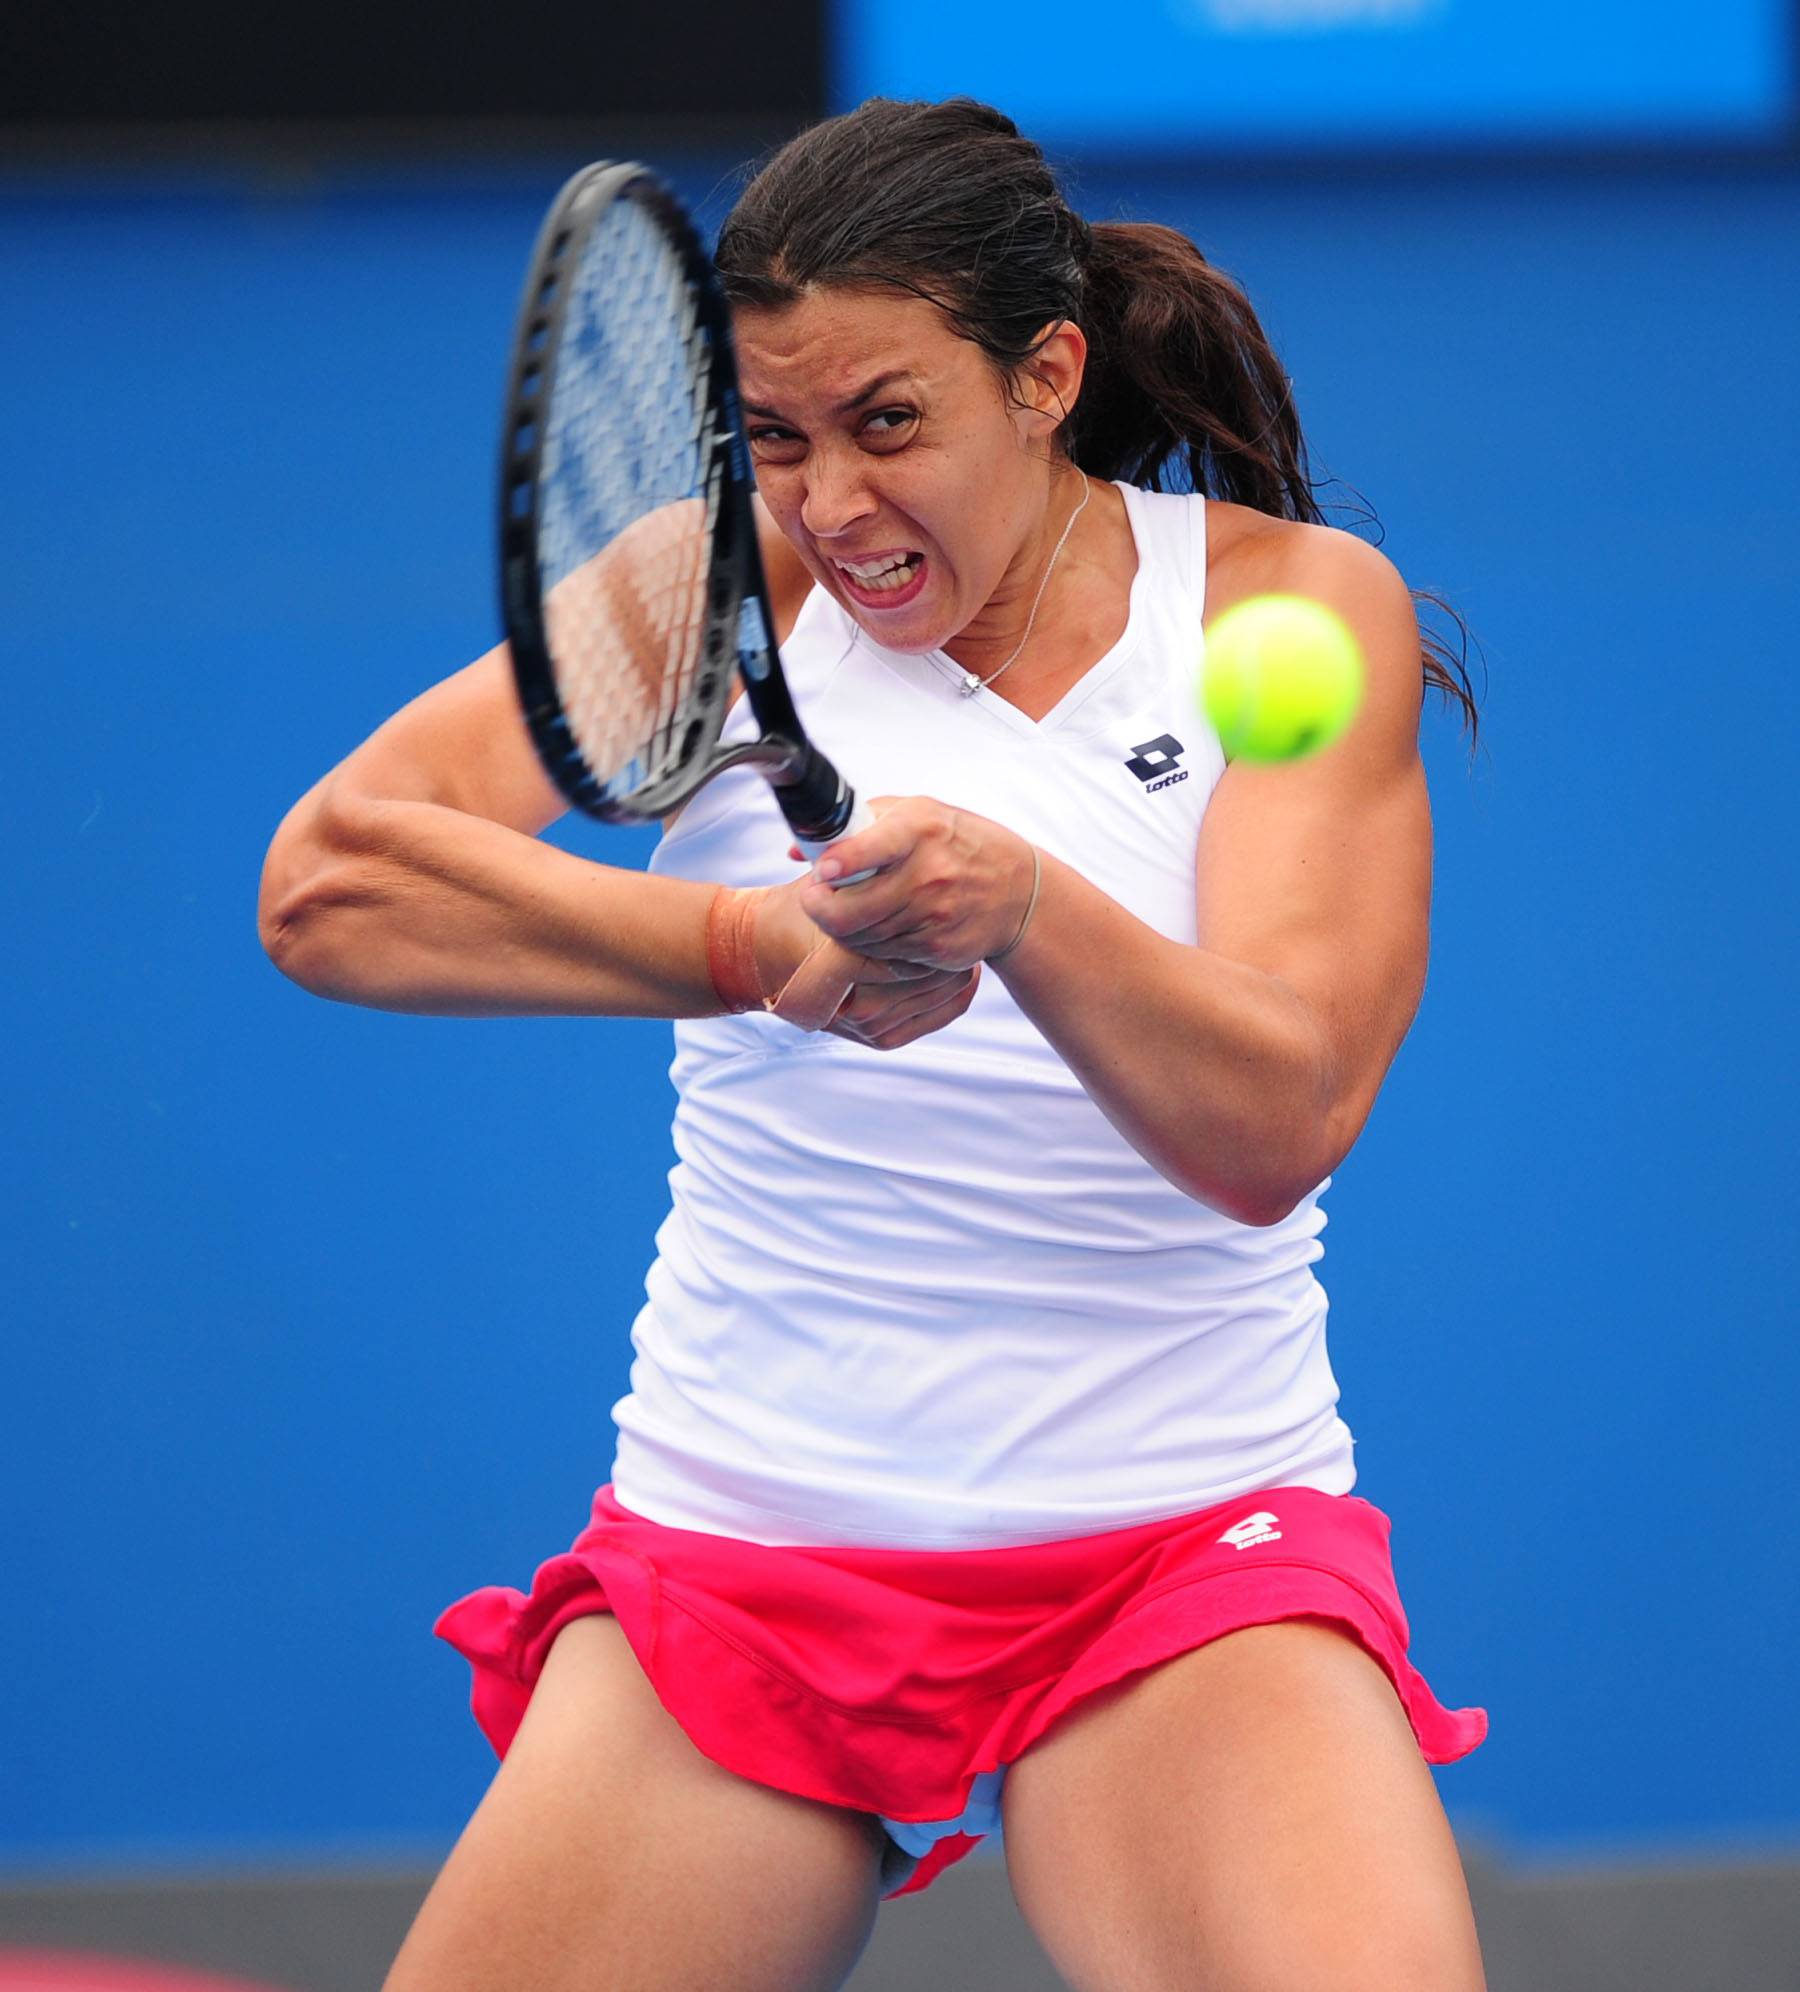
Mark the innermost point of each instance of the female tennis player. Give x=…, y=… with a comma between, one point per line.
x=981, y=1468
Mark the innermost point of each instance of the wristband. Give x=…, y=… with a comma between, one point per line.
x=731, y=947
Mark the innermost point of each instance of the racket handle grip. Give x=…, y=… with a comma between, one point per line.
x=862, y=817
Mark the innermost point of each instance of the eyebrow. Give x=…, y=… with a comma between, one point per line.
x=856, y=400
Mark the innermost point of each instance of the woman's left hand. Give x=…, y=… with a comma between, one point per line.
x=951, y=890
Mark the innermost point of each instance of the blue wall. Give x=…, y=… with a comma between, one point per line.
x=291, y=1364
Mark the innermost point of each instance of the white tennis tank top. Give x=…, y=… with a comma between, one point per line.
x=931, y=1298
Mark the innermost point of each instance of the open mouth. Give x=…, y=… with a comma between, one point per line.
x=883, y=580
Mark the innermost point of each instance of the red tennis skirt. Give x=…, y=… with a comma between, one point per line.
x=903, y=1682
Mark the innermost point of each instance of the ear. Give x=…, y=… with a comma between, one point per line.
x=1050, y=381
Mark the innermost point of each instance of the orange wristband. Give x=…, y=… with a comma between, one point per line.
x=731, y=946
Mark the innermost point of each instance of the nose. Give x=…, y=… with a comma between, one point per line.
x=837, y=493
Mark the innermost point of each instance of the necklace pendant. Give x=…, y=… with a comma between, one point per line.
x=970, y=686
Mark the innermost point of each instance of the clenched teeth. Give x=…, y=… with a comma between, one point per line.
x=889, y=572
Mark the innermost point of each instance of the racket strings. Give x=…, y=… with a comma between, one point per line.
x=627, y=506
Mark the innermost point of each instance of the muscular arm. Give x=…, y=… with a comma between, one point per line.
x=1244, y=1067
x=412, y=878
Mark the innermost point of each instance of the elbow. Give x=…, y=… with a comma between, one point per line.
x=294, y=935
x=306, y=889
x=1250, y=1200
x=1330, y=1136
x=1272, y=1210
x=1274, y=1202
x=1260, y=1211
x=281, y=901
x=1323, y=1118
x=1287, y=1155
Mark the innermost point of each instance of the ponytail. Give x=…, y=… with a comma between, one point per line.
x=1183, y=390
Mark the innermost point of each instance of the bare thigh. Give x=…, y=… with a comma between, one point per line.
x=610, y=1855
x=1252, y=1816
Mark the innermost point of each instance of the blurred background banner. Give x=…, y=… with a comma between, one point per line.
x=1186, y=75
x=287, y=1370
x=1258, y=77
x=337, y=72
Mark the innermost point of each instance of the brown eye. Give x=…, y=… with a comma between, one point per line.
x=772, y=445
x=889, y=424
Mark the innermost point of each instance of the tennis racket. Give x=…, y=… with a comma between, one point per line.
x=631, y=584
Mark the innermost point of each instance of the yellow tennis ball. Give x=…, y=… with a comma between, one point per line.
x=1282, y=676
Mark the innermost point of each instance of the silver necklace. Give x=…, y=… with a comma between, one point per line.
x=973, y=684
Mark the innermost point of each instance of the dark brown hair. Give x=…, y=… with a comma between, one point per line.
x=1183, y=390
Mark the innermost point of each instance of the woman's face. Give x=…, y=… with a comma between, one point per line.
x=888, y=453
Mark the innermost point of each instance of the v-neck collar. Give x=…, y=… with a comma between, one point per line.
x=1090, y=681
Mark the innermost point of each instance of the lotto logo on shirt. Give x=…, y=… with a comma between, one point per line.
x=1151, y=761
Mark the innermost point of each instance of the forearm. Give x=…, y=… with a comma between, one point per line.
x=1212, y=1070
x=405, y=905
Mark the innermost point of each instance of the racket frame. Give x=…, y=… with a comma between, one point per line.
x=739, y=625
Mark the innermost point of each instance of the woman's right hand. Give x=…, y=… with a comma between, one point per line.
x=890, y=1003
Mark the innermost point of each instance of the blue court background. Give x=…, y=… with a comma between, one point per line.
x=316, y=1314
